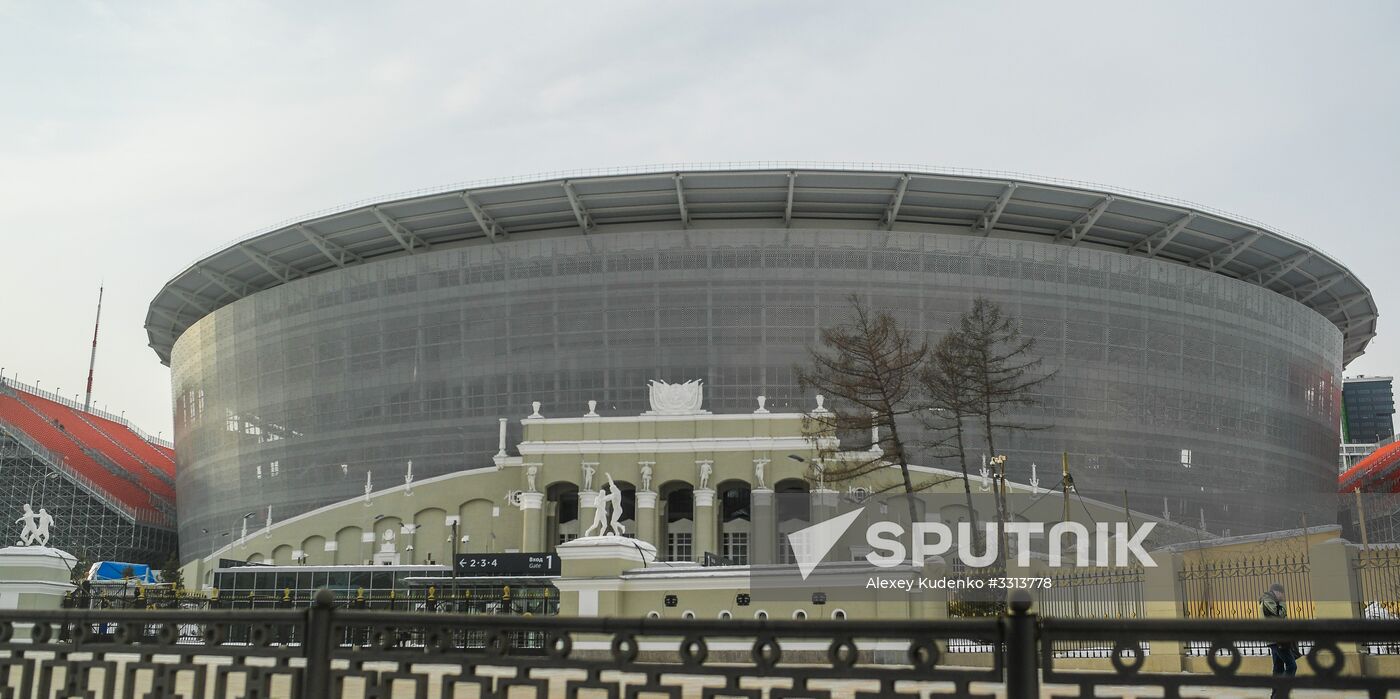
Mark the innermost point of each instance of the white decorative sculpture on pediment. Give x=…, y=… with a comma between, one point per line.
x=676, y=398
x=34, y=527
x=607, y=516
x=388, y=545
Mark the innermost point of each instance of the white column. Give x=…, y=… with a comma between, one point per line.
x=501, y=442
x=532, y=536
x=646, y=517
x=704, y=537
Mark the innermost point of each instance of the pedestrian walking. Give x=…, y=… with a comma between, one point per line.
x=1285, y=653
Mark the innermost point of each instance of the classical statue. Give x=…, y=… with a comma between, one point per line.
x=41, y=529
x=588, y=470
x=758, y=465
x=615, y=503
x=600, y=515
x=607, y=515
x=530, y=474
x=34, y=527
x=706, y=468
x=646, y=475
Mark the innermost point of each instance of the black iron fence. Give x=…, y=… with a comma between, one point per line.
x=325, y=651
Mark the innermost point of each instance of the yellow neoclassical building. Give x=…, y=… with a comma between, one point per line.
x=698, y=487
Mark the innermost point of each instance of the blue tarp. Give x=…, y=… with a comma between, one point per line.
x=112, y=570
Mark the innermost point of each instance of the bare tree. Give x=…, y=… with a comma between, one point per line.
x=947, y=385
x=869, y=367
x=1003, y=374
x=1002, y=367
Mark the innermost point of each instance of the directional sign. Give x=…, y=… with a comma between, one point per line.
x=498, y=564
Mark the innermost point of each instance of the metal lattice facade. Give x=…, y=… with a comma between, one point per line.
x=290, y=397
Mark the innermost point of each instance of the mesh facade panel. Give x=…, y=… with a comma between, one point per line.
x=416, y=357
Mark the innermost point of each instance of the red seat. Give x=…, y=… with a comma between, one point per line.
x=41, y=430
x=153, y=454
x=78, y=426
x=1379, y=472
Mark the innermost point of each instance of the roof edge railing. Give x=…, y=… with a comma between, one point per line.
x=75, y=405
x=135, y=514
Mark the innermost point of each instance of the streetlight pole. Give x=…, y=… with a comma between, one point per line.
x=37, y=481
x=456, y=522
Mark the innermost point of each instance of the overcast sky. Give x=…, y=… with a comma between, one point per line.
x=136, y=138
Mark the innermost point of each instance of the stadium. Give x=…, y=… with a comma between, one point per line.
x=1199, y=354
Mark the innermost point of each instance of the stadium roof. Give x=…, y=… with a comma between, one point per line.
x=675, y=197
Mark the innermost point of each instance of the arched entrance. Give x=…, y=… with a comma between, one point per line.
x=676, y=539
x=794, y=512
x=562, y=525
x=735, y=522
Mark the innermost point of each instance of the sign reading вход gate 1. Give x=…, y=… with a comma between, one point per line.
x=494, y=564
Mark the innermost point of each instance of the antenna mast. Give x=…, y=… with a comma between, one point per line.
x=92, y=361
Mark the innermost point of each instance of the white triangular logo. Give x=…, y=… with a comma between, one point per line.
x=810, y=545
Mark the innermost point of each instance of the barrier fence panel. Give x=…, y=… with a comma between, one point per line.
x=1093, y=593
x=329, y=652
x=1231, y=590
x=1378, y=593
x=974, y=603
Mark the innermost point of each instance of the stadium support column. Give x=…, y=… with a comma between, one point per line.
x=646, y=517
x=704, y=541
x=532, y=535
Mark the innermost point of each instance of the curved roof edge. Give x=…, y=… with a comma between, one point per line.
x=858, y=195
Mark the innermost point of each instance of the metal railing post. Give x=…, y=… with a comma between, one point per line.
x=316, y=646
x=1022, y=670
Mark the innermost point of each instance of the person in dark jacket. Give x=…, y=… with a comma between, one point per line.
x=1285, y=653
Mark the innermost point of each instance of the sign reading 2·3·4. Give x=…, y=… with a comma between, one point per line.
x=500, y=564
